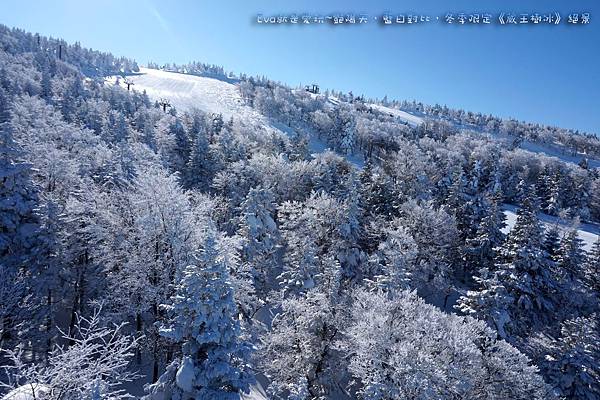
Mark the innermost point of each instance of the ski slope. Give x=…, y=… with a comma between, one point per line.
x=186, y=92
x=211, y=95
x=410, y=119
x=558, y=152
x=586, y=232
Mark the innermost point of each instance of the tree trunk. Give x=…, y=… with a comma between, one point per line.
x=138, y=330
x=49, y=324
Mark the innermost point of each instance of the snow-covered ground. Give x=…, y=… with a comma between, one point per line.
x=256, y=393
x=402, y=115
x=586, y=232
x=316, y=145
x=28, y=392
x=212, y=95
x=186, y=92
x=548, y=149
x=552, y=150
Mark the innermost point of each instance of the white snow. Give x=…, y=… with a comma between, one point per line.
x=256, y=393
x=212, y=95
x=402, y=115
x=185, y=375
x=586, y=232
x=316, y=145
x=186, y=92
x=27, y=392
x=334, y=100
x=549, y=149
x=559, y=152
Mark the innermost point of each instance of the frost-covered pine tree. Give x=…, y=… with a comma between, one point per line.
x=23, y=249
x=571, y=257
x=490, y=301
x=261, y=238
x=212, y=364
x=481, y=250
x=571, y=361
x=300, y=262
x=348, y=139
x=200, y=166
x=592, y=270
x=345, y=242
x=552, y=241
x=525, y=271
x=570, y=274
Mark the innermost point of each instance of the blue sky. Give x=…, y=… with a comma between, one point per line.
x=540, y=74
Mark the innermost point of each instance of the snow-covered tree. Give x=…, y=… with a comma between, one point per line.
x=94, y=366
x=526, y=273
x=551, y=242
x=24, y=257
x=298, y=355
x=435, y=233
x=261, y=238
x=400, y=347
x=202, y=322
x=481, y=249
x=300, y=262
x=570, y=361
x=398, y=253
x=570, y=257
x=592, y=270
x=147, y=235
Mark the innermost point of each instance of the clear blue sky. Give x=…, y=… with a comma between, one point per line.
x=540, y=74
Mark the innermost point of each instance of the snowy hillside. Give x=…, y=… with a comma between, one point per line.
x=586, y=232
x=214, y=95
x=146, y=252
x=409, y=118
x=186, y=92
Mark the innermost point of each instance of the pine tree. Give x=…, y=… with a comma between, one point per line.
x=459, y=204
x=23, y=248
x=570, y=361
x=554, y=201
x=200, y=166
x=592, y=270
x=520, y=292
x=552, y=241
x=482, y=248
x=300, y=261
x=46, y=84
x=522, y=189
x=202, y=321
x=543, y=187
x=490, y=302
x=529, y=279
x=261, y=238
x=4, y=105
x=571, y=257
x=216, y=125
x=375, y=194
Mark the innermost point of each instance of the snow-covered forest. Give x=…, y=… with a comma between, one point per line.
x=292, y=246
